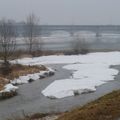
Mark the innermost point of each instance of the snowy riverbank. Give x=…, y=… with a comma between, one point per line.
x=11, y=88
x=89, y=71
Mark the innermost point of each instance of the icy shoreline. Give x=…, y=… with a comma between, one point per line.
x=11, y=87
x=89, y=71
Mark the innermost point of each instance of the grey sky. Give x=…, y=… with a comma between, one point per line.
x=63, y=11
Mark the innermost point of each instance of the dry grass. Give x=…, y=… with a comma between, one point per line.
x=22, y=54
x=3, y=81
x=19, y=70
x=105, y=108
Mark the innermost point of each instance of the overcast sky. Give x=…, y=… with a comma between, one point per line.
x=63, y=11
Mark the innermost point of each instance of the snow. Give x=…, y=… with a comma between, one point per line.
x=85, y=78
x=9, y=88
x=92, y=71
x=101, y=57
x=35, y=76
x=66, y=87
x=88, y=72
x=25, y=79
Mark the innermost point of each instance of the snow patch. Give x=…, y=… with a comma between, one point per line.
x=34, y=77
x=9, y=88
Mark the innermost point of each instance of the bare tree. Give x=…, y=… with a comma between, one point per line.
x=31, y=33
x=7, y=39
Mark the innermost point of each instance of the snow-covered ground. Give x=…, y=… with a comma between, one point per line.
x=106, y=58
x=8, y=88
x=89, y=71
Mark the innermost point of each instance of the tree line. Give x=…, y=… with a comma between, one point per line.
x=8, y=36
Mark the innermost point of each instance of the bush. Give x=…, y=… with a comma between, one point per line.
x=30, y=80
x=6, y=95
x=51, y=73
x=76, y=92
x=84, y=51
x=5, y=68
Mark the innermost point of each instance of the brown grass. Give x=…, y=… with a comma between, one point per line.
x=22, y=54
x=19, y=70
x=105, y=108
x=3, y=81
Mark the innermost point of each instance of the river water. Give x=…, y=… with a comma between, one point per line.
x=58, y=41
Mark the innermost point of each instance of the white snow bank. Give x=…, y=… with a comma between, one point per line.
x=100, y=57
x=25, y=79
x=92, y=71
x=33, y=77
x=9, y=88
x=66, y=87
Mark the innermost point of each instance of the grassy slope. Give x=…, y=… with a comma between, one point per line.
x=20, y=70
x=105, y=108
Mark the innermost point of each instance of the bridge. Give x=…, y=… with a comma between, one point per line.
x=71, y=29
x=97, y=29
